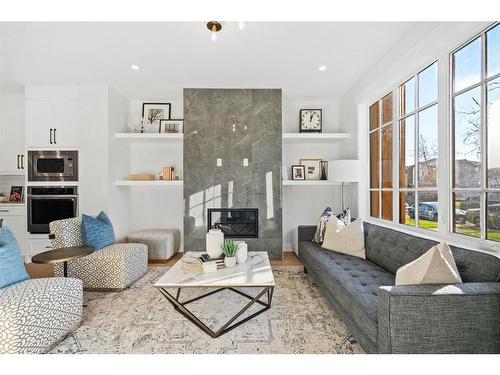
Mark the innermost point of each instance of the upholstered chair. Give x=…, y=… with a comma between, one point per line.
x=112, y=268
x=36, y=314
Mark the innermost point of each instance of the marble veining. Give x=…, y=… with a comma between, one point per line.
x=232, y=125
x=256, y=271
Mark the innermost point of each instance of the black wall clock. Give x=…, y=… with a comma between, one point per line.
x=310, y=121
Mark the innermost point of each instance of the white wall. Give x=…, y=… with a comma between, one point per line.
x=303, y=205
x=119, y=163
x=413, y=53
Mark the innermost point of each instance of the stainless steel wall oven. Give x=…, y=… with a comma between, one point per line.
x=46, y=204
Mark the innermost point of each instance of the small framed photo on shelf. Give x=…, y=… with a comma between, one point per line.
x=298, y=172
x=312, y=168
x=171, y=126
x=16, y=194
x=154, y=112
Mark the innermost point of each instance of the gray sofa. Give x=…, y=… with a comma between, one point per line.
x=383, y=318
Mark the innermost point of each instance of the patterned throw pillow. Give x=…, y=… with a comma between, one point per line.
x=320, y=229
x=11, y=262
x=345, y=216
x=97, y=232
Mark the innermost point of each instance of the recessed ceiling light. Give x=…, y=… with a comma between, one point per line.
x=322, y=68
x=241, y=25
x=134, y=67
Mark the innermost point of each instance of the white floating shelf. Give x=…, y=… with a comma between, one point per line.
x=314, y=137
x=308, y=183
x=148, y=183
x=150, y=136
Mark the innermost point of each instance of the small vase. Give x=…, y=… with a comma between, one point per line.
x=215, y=240
x=242, y=252
x=230, y=262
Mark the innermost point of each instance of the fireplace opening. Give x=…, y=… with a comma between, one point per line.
x=235, y=222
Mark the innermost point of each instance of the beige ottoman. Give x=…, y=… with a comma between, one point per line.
x=162, y=243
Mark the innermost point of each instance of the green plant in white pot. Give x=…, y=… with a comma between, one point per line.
x=229, y=249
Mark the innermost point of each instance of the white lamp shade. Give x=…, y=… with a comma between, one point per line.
x=343, y=170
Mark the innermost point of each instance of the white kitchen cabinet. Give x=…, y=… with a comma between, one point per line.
x=36, y=246
x=66, y=123
x=15, y=219
x=52, y=123
x=12, y=158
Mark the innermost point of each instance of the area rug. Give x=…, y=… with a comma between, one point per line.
x=140, y=320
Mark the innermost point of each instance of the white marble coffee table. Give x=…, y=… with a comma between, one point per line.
x=255, y=273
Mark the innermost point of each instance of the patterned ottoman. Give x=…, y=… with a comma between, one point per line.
x=36, y=314
x=162, y=243
x=113, y=268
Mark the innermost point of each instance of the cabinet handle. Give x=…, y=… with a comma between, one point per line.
x=4, y=211
x=50, y=136
x=22, y=161
x=55, y=136
x=18, y=162
x=1, y=223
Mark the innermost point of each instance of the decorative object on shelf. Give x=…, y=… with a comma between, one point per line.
x=298, y=172
x=229, y=249
x=312, y=168
x=16, y=194
x=214, y=27
x=136, y=124
x=324, y=170
x=344, y=171
x=2, y=198
x=215, y=240
x=142, y=177
x=310, y=121
x=241, y=252
x=154, y=112
x=171, y=126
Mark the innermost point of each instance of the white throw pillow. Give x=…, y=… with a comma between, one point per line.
x=436, y=266
x=344, y=239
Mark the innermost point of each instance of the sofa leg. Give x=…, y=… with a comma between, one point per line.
x=305, y=270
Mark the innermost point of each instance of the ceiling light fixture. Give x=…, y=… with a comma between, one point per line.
x=241, y=25
x=322, y=68
x=134, y=67
x=214, y=27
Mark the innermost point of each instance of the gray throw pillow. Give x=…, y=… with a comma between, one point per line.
x=320, y=229
x=345, y=216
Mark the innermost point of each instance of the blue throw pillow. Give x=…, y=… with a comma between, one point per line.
x=11, y=262
x=97, y=232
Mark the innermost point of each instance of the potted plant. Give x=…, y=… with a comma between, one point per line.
x=229, y=249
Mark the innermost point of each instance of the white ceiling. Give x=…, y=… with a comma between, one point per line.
x=173, y=55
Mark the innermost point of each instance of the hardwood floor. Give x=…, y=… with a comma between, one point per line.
x=46, y=270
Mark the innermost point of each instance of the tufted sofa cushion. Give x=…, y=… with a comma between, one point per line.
x=353, y=281
x=392, y=249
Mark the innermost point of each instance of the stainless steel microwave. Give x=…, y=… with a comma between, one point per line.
x=52, y=165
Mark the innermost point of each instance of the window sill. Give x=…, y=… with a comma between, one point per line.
x=453, y=239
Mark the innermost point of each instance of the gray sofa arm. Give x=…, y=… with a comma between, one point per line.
x=306, y=232
x=461, y=318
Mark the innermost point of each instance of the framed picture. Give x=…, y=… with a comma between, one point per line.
x=298, y=172
x=16, y=194
x=154, y=112
x=310, y=121
x=312, y=168
x=171, y=126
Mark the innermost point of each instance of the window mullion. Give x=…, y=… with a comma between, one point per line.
x=483, y=138
x=416, y=154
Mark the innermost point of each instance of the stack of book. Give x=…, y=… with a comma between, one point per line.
x=168, y=173
x=218, y=261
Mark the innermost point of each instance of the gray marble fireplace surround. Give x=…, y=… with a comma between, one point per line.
x=231, y=125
